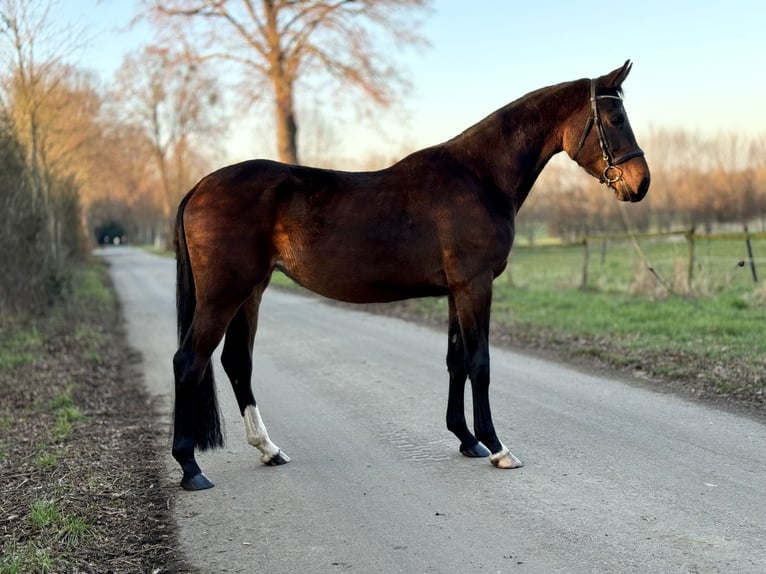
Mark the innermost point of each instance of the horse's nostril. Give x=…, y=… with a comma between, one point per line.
x=644, y=187
x=641, y=190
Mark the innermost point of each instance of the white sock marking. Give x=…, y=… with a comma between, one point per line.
x=256, y=434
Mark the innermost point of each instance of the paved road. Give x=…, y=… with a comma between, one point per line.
x=617, y=478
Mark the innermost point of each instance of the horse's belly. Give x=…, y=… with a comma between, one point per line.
x=347, y=275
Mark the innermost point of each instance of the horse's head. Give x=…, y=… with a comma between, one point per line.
x=601, y=140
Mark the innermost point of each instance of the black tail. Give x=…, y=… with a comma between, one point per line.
x=197, y=418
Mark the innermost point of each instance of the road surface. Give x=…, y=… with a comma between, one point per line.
x=617, y=478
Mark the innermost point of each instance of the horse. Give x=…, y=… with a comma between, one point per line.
x=439, y=222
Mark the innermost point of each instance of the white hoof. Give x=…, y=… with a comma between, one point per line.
x=505, y=459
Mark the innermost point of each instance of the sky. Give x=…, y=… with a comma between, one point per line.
x=698, y=66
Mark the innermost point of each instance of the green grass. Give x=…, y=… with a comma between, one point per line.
x=87, y=295
x=61, y=430
x=65, y=413
x=92, y=339
x=18, y=345
x=711, y=334
x=723, y=323
x=281, y=280
x=43, y=514
x=618, y=266
x=67, y=528
x=23, y=558
x=74, y=530
x=167, y=253
x=64, y=418
x=88, y=286
x=46, y=460
x=624, y=299
x=50, y=529
x=45, y=519
x=62, y=400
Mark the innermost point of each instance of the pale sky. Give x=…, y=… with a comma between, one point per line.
x=697, y=65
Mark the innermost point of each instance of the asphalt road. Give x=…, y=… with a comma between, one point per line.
x=618, y=478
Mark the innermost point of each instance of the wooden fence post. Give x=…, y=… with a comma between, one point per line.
x=750, y=257
x=584, y=283
x=690, y=271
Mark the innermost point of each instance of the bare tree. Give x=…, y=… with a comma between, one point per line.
x=173, y=103
x=124, y=178
x=24, y=25
x=274, y=43
x=32, y=86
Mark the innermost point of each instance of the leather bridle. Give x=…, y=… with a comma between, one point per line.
x=612, y=173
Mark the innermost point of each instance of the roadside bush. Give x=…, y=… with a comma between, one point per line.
x=39, y=237
x=24, y=258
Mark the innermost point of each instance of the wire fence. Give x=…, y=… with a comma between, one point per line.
x=680, y=262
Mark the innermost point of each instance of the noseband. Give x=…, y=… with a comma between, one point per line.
x=612, y=173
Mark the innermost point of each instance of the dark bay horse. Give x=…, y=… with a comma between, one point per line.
x=438, y=223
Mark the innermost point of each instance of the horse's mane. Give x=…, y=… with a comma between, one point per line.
x=520, y=104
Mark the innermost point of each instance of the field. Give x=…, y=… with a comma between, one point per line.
x=717, y=265
x=707, y=340
x=710, y=337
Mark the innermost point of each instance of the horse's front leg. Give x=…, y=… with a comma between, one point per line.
x=501, y=457
x=473, y=304
x=457, y=365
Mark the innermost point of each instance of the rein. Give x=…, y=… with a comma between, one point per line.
x=642, y=256
x=612, y=173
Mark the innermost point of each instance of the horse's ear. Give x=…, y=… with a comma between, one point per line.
x=617, y=77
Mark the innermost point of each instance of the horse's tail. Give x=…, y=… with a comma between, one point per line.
x=197, y=418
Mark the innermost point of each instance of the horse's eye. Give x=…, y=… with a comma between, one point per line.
x=617, y=120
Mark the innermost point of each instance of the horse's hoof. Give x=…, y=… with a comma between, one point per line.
x=277, y=459
x=476, y=451
x=505, y=459
x=196, y=482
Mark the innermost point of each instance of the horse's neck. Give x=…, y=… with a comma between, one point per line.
x=512, y=146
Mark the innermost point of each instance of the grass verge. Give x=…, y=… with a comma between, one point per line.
x=80, y=474
x=713, y=346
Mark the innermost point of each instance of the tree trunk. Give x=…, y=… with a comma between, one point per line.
x=282, y=79
x=287, y=129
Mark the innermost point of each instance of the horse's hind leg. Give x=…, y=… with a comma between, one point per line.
x=237, y=361
x=196, y=418
x=457, y=365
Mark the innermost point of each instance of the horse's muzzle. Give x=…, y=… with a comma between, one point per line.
x=641, y=190
x=633, y=181
x=623, y=192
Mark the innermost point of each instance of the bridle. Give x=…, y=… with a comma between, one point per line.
x=612, y=173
